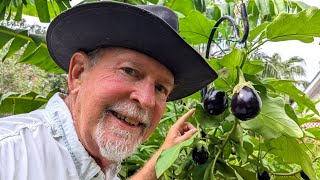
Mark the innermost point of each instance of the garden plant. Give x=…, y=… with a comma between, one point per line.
x=247, y=125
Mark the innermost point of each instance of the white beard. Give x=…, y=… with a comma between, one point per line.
x=112, y=171
x=117, y=150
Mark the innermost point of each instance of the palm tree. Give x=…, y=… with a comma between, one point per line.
x=291, y=69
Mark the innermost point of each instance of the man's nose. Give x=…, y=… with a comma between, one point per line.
x=145, y=95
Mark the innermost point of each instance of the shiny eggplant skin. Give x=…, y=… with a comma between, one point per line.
x=264, y=176
x=246, y=104
x=215, y=102
x=304, y=176
x=200, y=156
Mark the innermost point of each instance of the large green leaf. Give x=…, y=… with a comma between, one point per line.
x=253, y=14
x=226, y=8
x=13, y=103
x=253, y=67
x=205, y=119
x=302, y=26
x=227, y=68
x=245, y=174
x=315, y=131
x=272, y=122
x=254, y=33
x=41, y=58
x=279, y=6
x=263, y=7
x=36, y=52
x=213, y=12
x=168, y=156
x=195, y=28
x=231, y=61
x=291, y=152
x=182, y=6
x=42, y=9
x=287, y=87
x=301, y=5
x=16, y=45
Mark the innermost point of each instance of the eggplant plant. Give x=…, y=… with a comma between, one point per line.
x=252, y=138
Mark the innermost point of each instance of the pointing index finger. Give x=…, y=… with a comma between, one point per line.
x=183, y=118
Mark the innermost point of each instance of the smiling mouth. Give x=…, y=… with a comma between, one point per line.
x=126, y=119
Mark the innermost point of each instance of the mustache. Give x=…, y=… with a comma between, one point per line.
x=131, y=110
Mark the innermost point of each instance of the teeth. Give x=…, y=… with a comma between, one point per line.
x=127, y=120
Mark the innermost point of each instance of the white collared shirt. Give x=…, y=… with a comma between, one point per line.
x=43, y=144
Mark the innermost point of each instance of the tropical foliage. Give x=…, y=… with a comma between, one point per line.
x=272, y=142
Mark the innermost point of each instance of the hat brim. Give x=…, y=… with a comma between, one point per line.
x=92, y=25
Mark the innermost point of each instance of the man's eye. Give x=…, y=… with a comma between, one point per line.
x=128, y=70
x=160, y=88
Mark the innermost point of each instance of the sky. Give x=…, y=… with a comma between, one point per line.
x=310, y=52
x=287, y=49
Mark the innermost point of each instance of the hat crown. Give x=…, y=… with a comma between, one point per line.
x=164, y=13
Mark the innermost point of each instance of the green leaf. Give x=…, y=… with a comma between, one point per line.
x=231, y=62
x=237, y=135
x=291, y=152
x=315, y=131
x=253, y=14
x=199, y=171
x=195, y=28
x=253, y=67
x=302, y=5
x=5, y=35
x=14, y=103
x=39, y=56
x=225, y=169
x=272, y=122
x=245, y=174
x=279, y=6
x=205, y=119
x=302, y=26
x=226, y=8
x=213, y=12
x=42, y=10
x=287, y=87
x=37, y=38
x=290, y=112
x=242, y=153
x=16, y=45
x=263, y=7
x=182, y=6
x=18, y=16
x=168, y=156
x=254, y=33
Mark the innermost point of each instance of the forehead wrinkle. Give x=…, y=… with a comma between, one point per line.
x=126, y=54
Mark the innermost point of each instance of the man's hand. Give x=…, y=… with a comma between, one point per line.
x=179, y=132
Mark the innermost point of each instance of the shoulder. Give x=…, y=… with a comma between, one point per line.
x=13, y=125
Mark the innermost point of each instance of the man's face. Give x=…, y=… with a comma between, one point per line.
x=119, y=101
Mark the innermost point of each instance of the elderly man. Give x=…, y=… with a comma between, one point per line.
x=124, y=63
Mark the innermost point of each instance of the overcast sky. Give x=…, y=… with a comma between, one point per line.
x=310, y=52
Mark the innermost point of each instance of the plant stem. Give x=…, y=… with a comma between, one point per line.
x=315, y=159
x=224, y=80
x=257, y=46
x=222, y=146
x=286, y=174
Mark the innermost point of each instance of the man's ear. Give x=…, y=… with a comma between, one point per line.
x=77, y=68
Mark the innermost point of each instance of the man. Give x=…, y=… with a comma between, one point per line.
x=124, y=63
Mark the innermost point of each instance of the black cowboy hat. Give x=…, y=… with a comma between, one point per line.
x=149, y=29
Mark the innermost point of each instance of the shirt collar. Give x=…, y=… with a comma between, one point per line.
x=61, y=122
